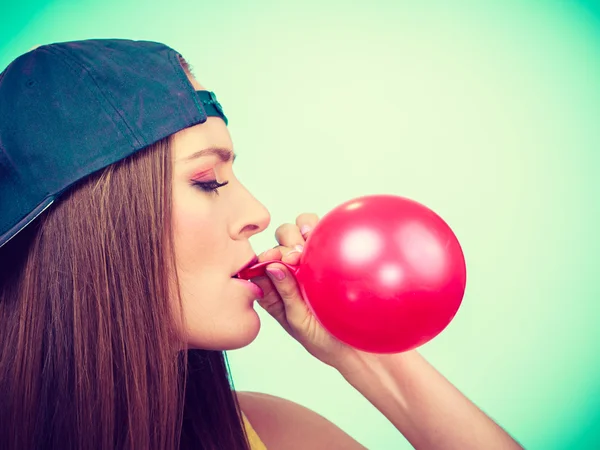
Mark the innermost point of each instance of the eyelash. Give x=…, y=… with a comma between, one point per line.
x=210, y=186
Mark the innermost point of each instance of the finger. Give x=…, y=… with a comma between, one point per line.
x=306, y=222
x=277, y=311
x=271, y=295
x=280, y=253
x=272, y=302
x=295, y=308
x=287, y=255
x=263, y=281
x=288, y=235
x=293, y=257
x=271, y=254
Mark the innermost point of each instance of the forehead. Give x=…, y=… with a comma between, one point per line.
x=211, y=134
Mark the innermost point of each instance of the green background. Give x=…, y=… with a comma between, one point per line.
x=487, y=113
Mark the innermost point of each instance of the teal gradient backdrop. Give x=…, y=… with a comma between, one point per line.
x=489, y=114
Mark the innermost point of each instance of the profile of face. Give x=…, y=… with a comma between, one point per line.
x=211, y=232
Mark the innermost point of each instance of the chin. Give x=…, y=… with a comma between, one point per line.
x=228, y=335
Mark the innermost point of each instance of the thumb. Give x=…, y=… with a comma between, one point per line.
x=296, y=309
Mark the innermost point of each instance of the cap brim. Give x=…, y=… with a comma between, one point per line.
x=22, y=224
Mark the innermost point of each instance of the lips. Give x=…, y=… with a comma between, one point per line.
x=253, y=261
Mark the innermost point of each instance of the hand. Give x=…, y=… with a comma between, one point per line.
x=284, y=302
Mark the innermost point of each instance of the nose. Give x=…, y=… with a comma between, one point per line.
x=251, y=217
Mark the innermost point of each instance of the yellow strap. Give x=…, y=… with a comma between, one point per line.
x=253, y=438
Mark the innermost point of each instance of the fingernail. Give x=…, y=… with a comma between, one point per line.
x=299, y=248
x=276, y=273
x=304, y=229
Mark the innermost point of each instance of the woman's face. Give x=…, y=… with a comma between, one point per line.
x=211, y=238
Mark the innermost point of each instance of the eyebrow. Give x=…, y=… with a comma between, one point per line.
x=224, y=154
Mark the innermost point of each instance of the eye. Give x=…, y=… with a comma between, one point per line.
x=209, y=186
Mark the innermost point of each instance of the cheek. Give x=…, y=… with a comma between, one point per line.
x=192, y=232
x=217, y=314
x=222, y=321
x=198, y=234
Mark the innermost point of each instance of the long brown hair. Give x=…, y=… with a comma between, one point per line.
x=89, y=355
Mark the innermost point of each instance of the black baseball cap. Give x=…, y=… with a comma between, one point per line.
x=70, y=109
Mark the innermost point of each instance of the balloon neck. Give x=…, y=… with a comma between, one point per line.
x=258, y=270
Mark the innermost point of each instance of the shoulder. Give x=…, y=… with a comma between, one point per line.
x=283, y=424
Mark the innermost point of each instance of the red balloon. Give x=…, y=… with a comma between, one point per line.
x=382, y=273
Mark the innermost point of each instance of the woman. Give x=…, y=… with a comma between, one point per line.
x=122, y=225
